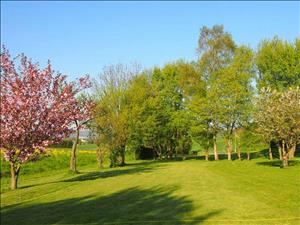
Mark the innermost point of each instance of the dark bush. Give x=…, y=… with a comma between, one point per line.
x=65, y=143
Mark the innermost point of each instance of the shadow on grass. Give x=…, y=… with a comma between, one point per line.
x=130, y=206
x=278, y=163
x=130, y=168
x=138, y=168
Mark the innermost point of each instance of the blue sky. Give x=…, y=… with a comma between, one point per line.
x=81, y=37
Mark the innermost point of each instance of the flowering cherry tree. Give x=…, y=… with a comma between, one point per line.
x=38, y=107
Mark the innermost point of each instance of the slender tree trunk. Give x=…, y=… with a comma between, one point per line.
x=248, y=155
x=14, y=172
x=123, y=155
x=100, y=158
x=279, y=151
x=292, y=152
x=285, y=156
x=215, y=147
x=270, y=152
x=206, y=155
x=73, y=152
x=229, y=149
x=239, y=154
x=235, y=145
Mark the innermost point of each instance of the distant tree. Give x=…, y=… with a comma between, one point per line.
x=278, y=64
x=111, y=111
x=202, y=135
x=38, y=107
x=158, y=118
x=249, y=139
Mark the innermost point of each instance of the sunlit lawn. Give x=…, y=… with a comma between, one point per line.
x=148, y=192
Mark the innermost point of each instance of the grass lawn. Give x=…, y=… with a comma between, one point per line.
x=147, y=192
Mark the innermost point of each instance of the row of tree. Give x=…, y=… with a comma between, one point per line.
x=231, y=89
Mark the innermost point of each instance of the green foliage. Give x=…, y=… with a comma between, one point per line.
x=278, y=64
x=159, y=119
x=111, y=115
x=165, y=108
x=249, y=140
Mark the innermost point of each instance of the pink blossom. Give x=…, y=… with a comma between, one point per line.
x=38, y=107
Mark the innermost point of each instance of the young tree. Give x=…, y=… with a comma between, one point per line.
x=37, y=108
x=83, y=108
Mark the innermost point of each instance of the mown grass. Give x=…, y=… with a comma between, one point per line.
x=150, y=192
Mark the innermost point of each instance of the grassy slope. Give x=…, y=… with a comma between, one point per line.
x=187, y=192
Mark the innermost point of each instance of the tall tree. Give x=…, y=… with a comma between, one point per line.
x=232, y=92
x=228, y=72
x=216, y=48
x=37, y=108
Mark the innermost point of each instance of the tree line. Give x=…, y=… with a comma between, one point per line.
x=230, y=89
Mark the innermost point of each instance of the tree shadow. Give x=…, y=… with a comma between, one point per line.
x=130, y=168
x=278, y=163
x=111, y=173
x=130, y=206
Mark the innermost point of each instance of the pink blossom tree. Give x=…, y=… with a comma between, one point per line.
x=38, y=107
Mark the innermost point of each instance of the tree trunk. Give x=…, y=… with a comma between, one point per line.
x=14, y=172
x=248, y=155
x=279, y=151
x=73, y=152
x=229, y=149
x=215, y=148
x=100, y=158
x=270, y=152
x=122, y=155
x=292, y=152
x=239, y=154
x=206, y=155
x=285, y=156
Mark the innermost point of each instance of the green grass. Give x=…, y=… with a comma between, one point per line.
x=87, y=146
x=147, y=192
x=57, y=160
